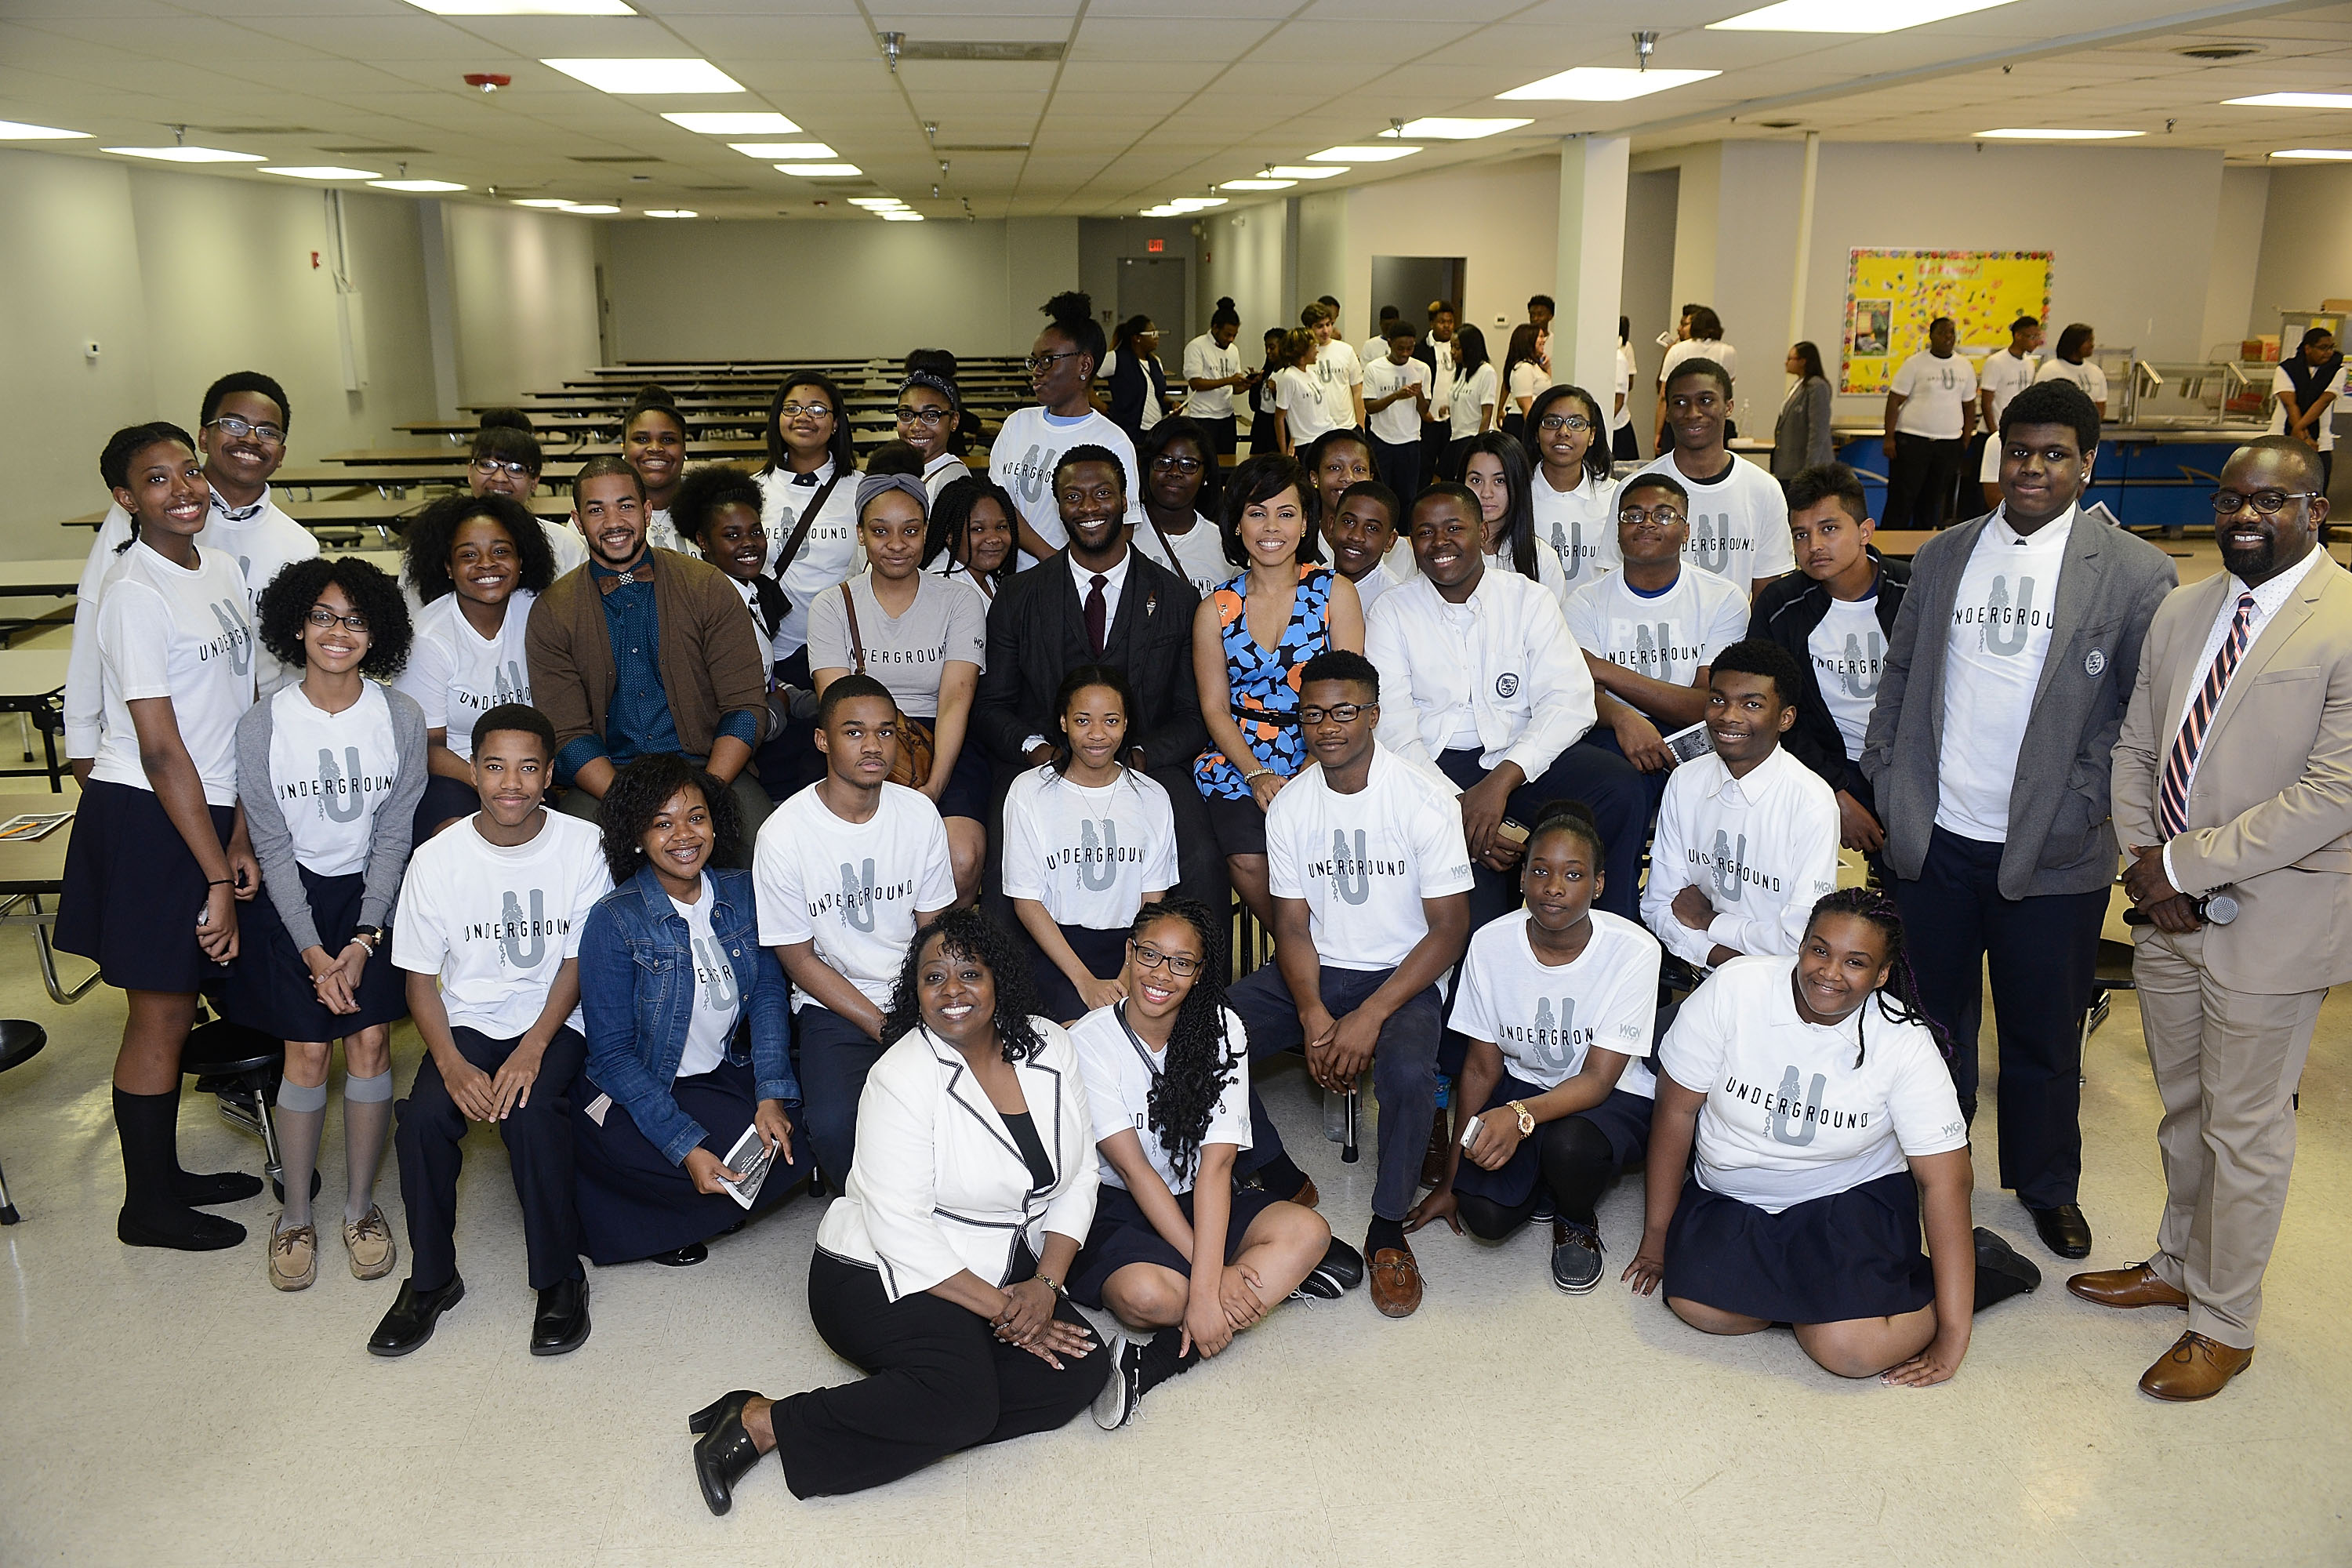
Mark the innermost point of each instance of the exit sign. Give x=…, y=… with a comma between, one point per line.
x=1155, y=246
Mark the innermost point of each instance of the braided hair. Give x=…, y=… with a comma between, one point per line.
x=1898, y=998
x=968, y=933
x=1199, y=1061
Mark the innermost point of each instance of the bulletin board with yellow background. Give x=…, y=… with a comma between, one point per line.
x=1892, y=295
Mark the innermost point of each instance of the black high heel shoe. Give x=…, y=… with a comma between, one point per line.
x=725, y=1454
x=699, y=1422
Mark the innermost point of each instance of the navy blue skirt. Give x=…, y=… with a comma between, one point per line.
x=1854, y=1253
x=1121, y=1235
x=444, y=800
x=133, y=891
x=633, y=1202
x=968, y=785
x=1624, y=1119
x=1104, y=952
x=268, y=988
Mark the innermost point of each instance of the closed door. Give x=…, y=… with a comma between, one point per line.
x=1154, y=286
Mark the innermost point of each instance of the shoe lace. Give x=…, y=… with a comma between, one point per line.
x=283, y=1242
x=369, y=1227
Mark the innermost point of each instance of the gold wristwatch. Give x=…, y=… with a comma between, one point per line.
x=1527, y=1118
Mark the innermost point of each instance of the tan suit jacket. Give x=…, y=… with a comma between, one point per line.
x=2270, y=811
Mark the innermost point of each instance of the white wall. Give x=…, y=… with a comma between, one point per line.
x=1241, y=258
x=2230, y=305
x=523, y=292
x=1502, y=219
x=2306, y=245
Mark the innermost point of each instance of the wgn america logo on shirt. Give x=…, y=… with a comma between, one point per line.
x=508, y=684
x=1860, y=667
x=522, y=937
x=1795, y=1112
x=1728, y=871
x=1655, y=653
x=234, y=642
x=2006, y=622
x=1351, y=875
x=859, y=896
x=341, y=792
x=1098, y=854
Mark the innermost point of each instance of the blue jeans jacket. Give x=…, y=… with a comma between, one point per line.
x=637, y=996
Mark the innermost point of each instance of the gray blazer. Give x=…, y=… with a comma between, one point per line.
x=1801, y=436
x=2061, y=837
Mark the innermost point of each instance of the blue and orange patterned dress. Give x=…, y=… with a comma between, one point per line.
x=1264, y=683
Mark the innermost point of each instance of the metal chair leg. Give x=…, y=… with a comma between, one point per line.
x=1347, y=1151
x=275, y=1168
x=8, y=1215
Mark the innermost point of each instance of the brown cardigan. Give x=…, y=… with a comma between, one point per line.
x=709, y=659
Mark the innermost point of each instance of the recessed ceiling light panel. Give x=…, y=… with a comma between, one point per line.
x=1304, y=171
x=1256, y=184
x=2326, y=154
x=671, y=212
x=820, y=171
x=15, y=131
x=2052, y=133
x=543, y=201
x=750, y=122
x=592, y=209
x=1445, y=128
x=1606, y=84
x=1362, y=155
x=187, y=154
x=647, y=76
x=320, y=172
x=419, y=187
x=2295, y=101
x=524, y=7
x=771, y=150
x=1848, y=15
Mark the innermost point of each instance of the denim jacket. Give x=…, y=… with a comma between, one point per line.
x=637, y=996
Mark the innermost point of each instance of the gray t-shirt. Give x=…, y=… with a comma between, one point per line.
x=946, y=621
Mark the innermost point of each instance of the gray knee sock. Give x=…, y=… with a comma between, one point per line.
x=301, y=1116
x=367, y=1124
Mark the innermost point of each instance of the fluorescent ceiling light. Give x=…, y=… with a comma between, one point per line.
x=2028, y=133
x=671, y=212
x=542, y=201
x=322, y=171
x=900, y=216
x=1444, y=128
x=419, y=185
x=524, y=7
x=1158, y=212
x=1304, y=171
x=1848, y=15
x=1257, y=184
x=1362, y=155
x=17, y=131
x=774, y=149
x=876, y=201
x=1606, y=84
x=764, y=123
x=188, y=154
x=2284, y=100
x=2333, y=154
x=1194, y=203
x=592, y=209
x=820, y=171
x=647, y=76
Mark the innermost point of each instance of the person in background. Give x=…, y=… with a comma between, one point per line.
x=1028, y=448
x=2000, y=377
x=1624, y=446
x=970, y=536
x=505, y=460
x=1396, y=403
x=931, y=420
x=1702, y=338
x=1525, y=374
x=1496, y=470
x=1988, y=759
x=1139, y=384
x=1802, y=438
x=330, y=770
x=1265, y=429
x=717, y=515
x=1377, y=345
x=1213, y=373
x=2073, y=364
x=2305, y=392
x=1339, y=374
x=1739, y=518
x=811, y=521
x=1573, y=500
x=1931, y=407
x=1181, y=483
x=1834, y=616
x=1301, y=417
x=1436, y=351
x=1342, y=458
x=1363, y=535
x=1472, y=400
x=1539, y=313
x=653, y=442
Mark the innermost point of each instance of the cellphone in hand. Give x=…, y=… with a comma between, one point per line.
x=1469, y=1133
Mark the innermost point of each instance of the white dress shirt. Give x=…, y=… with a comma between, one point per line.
x=1764, y=848
x=1502, y=659
x=1114, y=583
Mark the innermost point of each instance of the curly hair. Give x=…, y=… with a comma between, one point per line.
x=285, y=606
x=424, y=553
x=636, y=796
x=705, y=488
x=968, y=933
x=1898, y=999
x=1199, y=1061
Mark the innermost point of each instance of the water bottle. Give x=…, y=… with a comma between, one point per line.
x=1335, y=1115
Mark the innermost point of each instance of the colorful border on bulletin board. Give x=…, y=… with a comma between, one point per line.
x=1892, y=295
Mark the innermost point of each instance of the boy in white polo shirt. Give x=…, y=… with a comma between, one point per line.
x=1931, y=407
x=2000, y=377
x=1339, y=374
x=1396, y=400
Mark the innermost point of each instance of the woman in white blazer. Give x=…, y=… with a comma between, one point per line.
x=939, y=1269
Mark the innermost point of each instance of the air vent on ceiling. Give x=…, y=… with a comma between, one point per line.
x=256, y=130
x=714, y=190
x=617, y=158
x=979, y=146
x=978, y=49
x=362, y=152
x=2218, y=51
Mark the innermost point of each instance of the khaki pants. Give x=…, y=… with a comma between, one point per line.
x=2227, y=1063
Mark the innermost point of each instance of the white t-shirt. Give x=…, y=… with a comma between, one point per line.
x=1738, y=521
x=1527, y=378
x=1032, y=441
x=1401, y=421
x=329, y=772
x=852, y=888
x=1336, y=372
x=717, y=996
x=1764, y=849
x=264, y=544
x=1620, y=418
x=1849, y=655
x=1197, y=554
x=942, y=471
x=2323, y=428
x=1363, y=862
x=1119, y=1071
x=1789, y=1117
x=909, y=654
x=1667, y=636
x=456, y=675
x=185, y=633
x=830, y=553
x=2004, y=375
x=1471, y=394
x=1204, y=360
x=1090, y=856
x=662, y=533
x=1545, y=1019
x=1441, y=383
x=2086, y=375
x=1300, y=398
x=1372, y=584
x=1721, y=352
x=2002, y=618
x=563, y=541
x=496, y=923
x=1578, y=525
x=1936, y=393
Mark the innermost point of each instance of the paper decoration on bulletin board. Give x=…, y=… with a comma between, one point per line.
x=1892, y=295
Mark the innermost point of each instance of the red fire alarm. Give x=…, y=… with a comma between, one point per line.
x=1155, y=246
x=489, y=82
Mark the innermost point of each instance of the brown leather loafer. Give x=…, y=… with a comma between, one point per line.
x=2194, y=1368
x=1396, y=1282
x=2138, y=1286
x=1307, y=1197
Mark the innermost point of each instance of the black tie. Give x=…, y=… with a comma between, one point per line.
x=1096, y=614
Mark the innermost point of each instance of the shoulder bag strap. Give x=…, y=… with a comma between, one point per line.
x=800, y=529
x=856, y=648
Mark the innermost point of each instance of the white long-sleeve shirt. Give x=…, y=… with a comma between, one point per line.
x=1500, y=662
x=1764, y=848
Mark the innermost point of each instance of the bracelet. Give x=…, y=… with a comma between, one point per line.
x=1051, y=1283
x=222, y=882
x=1255, y=774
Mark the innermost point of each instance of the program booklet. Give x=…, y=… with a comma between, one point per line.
x=1687, y=745
x=750, y=1157
x=32, y=825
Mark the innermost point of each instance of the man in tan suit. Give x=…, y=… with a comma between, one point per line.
x=2234, y=772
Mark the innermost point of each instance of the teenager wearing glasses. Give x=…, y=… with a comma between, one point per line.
x=506, y=461
x=811, y=517
x=931, y=420
x=1027, y=451
x=1180, y=490
x=1570, y=490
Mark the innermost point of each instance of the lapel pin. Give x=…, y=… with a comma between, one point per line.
x=2094, y=662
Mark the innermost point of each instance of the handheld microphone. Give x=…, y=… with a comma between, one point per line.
x=2213, y=908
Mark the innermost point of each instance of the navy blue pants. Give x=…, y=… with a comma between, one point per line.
x=1607, y=783
x=1398, y=463
x=836, y=1055
x=2045, y=953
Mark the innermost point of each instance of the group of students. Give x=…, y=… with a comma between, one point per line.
x=911, y=879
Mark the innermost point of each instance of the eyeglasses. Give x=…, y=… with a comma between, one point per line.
x=922, y=415
x=2268, y=504
x=1170, y=463
x=1664, y=516
x=1577, y=422
x=322, y=618
x=500, y=466
x=229, y=425
x=794, y=410
x=1346, y=713
x=1040, y=363
x=1182, y=965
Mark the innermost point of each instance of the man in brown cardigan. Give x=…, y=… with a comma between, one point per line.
x=643, y=652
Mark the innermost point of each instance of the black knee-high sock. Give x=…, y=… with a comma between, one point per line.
x=1577, y=1166
x=201, y=1190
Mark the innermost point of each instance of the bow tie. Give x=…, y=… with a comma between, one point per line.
x=808, y=478
x=239, y=513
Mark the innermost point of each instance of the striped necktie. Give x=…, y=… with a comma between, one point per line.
x=2172, y=800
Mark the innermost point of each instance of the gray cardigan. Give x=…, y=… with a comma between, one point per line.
x=2060, y=835
x=390, y=830
x=1801, y=436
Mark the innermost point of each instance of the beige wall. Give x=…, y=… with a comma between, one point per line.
x=523, y=299
x=2306, y=254
x=1241, y=250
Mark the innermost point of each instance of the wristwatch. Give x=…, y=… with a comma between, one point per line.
x=1527, y=1118
x=372, y=937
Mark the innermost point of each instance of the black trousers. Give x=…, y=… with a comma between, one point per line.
x=938, y=1381
x=429, y=1141
x=2045, y=953
x=1399, y=465
x=1222, y=433
x=1919, y=481
x=1604, y=781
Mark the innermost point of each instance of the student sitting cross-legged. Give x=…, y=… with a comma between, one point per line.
x=1167, y=1075
x=488, y=929
x=1370, y=882
x=674, y=987
x=1815, y=1095
x=1747, y=836
x=1557, y=1001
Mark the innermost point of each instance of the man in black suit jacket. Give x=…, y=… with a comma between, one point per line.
x=1099, y=602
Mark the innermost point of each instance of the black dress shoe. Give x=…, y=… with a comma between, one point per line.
x=725, y=1453
x=703, y=1420
x=181, y=1230
x=410, y=1322
x=561, y=1323
x=686, y=1257
x=204, y=1192
x=2001, y=1270
x=1341, y=1270
x=2064, y=1230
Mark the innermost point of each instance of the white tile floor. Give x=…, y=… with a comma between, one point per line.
x=157, y=1408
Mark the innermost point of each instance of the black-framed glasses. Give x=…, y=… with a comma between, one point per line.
x=231, y=426
x=1040, y=363
x=2266, y=503
x=1182, y=965
x=1664, y=516
x=931, y=416
x=1345, y=714
x=1564, y=422
x=502, y=466
x=794, y=410
x=1173, y=463
x=323, y=618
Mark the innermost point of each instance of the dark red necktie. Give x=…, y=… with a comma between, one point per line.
x=1096, y=614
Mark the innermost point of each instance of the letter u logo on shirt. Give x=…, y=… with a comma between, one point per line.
x=719, y=989
x=1792, y=1126
x=506, y=684
x=237, y=633
x=1653, y=649
x=1571, y=548
x=1357, y=890
x=2005, y=633
x=1098, y=857
x=858, y=898
x=1865, y=658
x=1710, y=544
x=1552, y=1036
x=338, y=804
x=1727, y=865
x=525, y=941
x=1028, y=478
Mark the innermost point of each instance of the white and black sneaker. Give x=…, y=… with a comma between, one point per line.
x=1575, y=1258
x=1341, y=1270
x=1123, y=1389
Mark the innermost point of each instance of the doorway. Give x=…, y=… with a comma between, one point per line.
x=1154, y=286
x=1411, y=283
